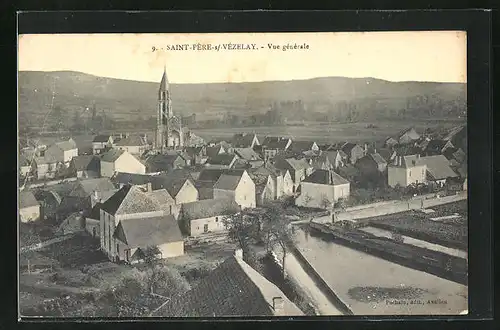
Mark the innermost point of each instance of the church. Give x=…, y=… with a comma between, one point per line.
x=169, y=131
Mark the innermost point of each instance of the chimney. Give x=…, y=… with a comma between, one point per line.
x=238, y=254
x=366, y=149
x=278, y=305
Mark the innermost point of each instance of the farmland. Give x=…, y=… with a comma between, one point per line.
x=451, y=233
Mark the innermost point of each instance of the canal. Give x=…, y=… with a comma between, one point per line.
x=373, y=286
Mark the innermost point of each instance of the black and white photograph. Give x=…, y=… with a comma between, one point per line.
x=215, y=175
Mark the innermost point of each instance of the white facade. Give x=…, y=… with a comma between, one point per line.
x=126, y=163
x=187, y=194
x=31, y=213
x=321, y=195
x=243, y=195
x=198, y=227
x=404, y=177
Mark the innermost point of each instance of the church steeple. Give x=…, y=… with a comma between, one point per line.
x=164, y=82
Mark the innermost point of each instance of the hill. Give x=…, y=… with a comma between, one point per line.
x=333, y=96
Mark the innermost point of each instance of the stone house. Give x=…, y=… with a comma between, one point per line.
x=62, y=151
x=100, y=143
x=178, y=184
x=85, y=166
x=299, y=169
x=134, y=236
x=353, y=151
x=205, y=216
x=406, y=170
x=134, y=144
x=247, y=294
x=131, y=203
x=322, y=189
x=437, y=147
x=272, y=145
x=408, y=135
x=336, y=158
x=116, y=160
x=29, y=207
x=236, y=185
x=438, y=169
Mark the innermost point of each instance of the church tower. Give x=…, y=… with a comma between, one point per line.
x=169, y=129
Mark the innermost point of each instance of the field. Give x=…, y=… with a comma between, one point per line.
x=451, y=233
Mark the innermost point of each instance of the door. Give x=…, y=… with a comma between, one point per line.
x=127, y=255
x=205, y=228
x=94, y=232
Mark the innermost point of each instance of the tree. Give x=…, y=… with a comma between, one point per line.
x=151, y=257
x=241, y=227
x=325, y=203
x=277, y=230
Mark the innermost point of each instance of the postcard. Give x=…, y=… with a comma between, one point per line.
x=242, y=174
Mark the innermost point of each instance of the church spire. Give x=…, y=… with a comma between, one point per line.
x=164, y=80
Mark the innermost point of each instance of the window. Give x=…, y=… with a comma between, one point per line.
x=216, y=219
x=410, y=173
x=205, y=228
x=117, y=249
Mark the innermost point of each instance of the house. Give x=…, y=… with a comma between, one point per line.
x=141, y=180
x=408, y=135
x=437, y=147
x=197, y=155
x=215, y=150
x=205, y=216
x=130, y=202
x=46, y=168
x=164, y=162
x=353, y=151
x=302, y=146
x=387, y=154
x=83, y=196
x=272, y=145
x=236, y=185
x=85, y=166
x=322, y=189
x=134, y=236
x=101, y=142
x=25, y=168
x=50, y=201
x=134, y=144
x=265, y=185
x=336, y=158
x=248, y=140
x=62, y=151
x=116, y=160
x=29, y=208
x=438, y=169
x=371, y=164
x=221, y=161
x=249, y=156
x=179, y=184
x=406, y=170
x=455, y=185
x=233, y=289
x=298, y=168
x=455, y=154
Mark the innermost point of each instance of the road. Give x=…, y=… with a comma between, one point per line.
x=300, y=278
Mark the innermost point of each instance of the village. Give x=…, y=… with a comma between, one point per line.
x=224, y=227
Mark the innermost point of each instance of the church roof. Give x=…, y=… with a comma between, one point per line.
x=164, y=81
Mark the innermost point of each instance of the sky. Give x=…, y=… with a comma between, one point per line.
x=438, y=56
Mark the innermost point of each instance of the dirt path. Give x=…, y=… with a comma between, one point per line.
x=46, y=243
x=299, y=276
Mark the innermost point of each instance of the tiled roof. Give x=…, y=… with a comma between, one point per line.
x=208, y=208
x=101, y=138
x=130, y=200
x=214, y=174
x=325, y=177
x=214, y=151
x=377, y=158
x=247, y=154
x=232, y=289
x=454, y=131
x=111, y=155
x=149, y=231
x=157, y=163
x=227, y=182
x=27, y=199
x=85, y=188
x=172, y=182
x=133, y=140
x=194, y=151
x=163, y=198
x=298, y=164
x=438, y=167
x=86, y=162
x=347, y=147
x=222, y=159
x=243, y=140
x=300, y=146
x=132, y=178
